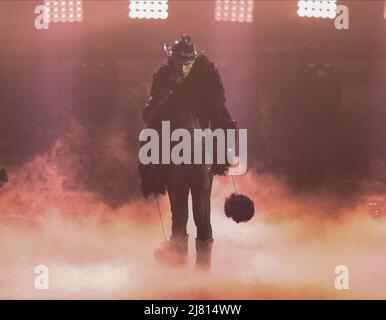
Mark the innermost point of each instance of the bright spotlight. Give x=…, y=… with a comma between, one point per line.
x=384, y=12
x=64, y=10
x=148, y=9
x=317, y=8
x=234, y=10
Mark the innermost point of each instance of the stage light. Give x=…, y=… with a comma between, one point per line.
x=317, y=8
x=234, y=10
x=384, y=12
x=148, y=9
x=64, y=10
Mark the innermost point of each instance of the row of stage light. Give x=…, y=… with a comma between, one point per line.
x=224, y=10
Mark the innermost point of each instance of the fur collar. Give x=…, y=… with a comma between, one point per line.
x=204, y=78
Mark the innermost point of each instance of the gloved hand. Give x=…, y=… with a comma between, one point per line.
x=222, y=169
x=157, y=103
x=219, y=169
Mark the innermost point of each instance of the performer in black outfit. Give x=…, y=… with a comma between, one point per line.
x=187, y=91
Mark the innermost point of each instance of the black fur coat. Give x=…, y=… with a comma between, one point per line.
x=203, y=93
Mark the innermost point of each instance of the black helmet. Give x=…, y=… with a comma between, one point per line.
x=182, y=48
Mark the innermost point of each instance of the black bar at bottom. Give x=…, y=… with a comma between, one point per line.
x=197, y=309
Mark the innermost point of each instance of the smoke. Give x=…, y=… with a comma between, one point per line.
x=77, y=210
x=93, y=250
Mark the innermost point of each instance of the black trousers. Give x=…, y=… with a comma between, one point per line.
x=198, y=179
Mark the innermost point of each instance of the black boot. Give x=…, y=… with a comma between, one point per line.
x=174, y=252
x=204, y=254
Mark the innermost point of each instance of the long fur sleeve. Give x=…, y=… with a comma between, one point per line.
x=213, y=96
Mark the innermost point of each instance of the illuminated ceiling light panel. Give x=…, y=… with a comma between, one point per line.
x=384, y=12
x=64, y=10
x=317, y=8
x=148, y=9
x=234, y=10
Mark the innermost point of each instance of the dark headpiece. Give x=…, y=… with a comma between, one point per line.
x=182, y=48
